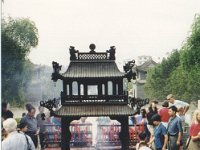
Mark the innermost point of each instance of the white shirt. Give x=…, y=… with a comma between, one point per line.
x=144, y=148
x=179, y=104
x=17, y=141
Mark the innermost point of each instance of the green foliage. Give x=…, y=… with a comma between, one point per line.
x=190, y=52
x=23, y=31
x=18, y=36
x=180, y=72
x=155, y=86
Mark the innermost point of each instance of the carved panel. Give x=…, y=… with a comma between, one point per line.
x=88, y=56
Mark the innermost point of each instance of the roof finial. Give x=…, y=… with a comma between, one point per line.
x=92, y=47
x=111, y=52
x=73, y=52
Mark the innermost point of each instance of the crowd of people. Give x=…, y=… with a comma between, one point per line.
x=25, y=134
x=163, y=127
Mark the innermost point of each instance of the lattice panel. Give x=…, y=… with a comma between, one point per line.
x=87, y=56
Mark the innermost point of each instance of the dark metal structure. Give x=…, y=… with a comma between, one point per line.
x=93, y=86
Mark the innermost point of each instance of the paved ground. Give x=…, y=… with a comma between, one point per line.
x=89, y=148
x=71, y=149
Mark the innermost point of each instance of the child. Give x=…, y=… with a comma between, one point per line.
x=22, y=128
x=142, y=137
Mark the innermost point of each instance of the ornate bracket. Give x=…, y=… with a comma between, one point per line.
x=130, y=70
x=73, y=52
x=56, y=74
x=49, y=104
x=111, y=52
x=138, y=103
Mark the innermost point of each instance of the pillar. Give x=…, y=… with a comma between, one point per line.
x=124, y=134
x=66, y=134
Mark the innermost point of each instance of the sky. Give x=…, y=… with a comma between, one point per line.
x=135, y=27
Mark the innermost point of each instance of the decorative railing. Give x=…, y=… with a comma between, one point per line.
x=93, y=56
x=81, y=135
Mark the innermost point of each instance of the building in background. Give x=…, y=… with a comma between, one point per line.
x=41, y=86
x=138, y=84
x=142, y=59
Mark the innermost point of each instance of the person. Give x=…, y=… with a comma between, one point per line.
x=31, y=122
x=174, y=129
x=194, y=131
x=152, y=111
x=160, y=137
x=163, y=112
x=23, y=114
x=145, y=123
x=15, y=140
x=143, y=146
x=142, y=137
x=180, y=105
x=143, y=112
x=5, y=113
x=41, y=125
x=22, y=128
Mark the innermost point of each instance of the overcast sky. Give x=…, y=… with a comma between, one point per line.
x=135, y=27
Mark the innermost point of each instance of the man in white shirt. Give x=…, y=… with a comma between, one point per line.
x=15, y=140
x=181, y=106
x=178, y=103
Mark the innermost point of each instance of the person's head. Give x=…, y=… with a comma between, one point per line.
x=165, y=104
x=41, y=109
x=172, y=111
x=23, y=127
x=153, y=106
x=143, y=112
x=156, y=119
x=10, y=125
x=31, y=111
x=196, y=116
x=23, y=114
x=4, y=106
x=170, y=98
x=28, y=107
x=142, y=136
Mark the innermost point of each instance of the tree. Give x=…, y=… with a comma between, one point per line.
x=18, y=37
x=190, y=52
x=180, y=72
x=156, y=85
